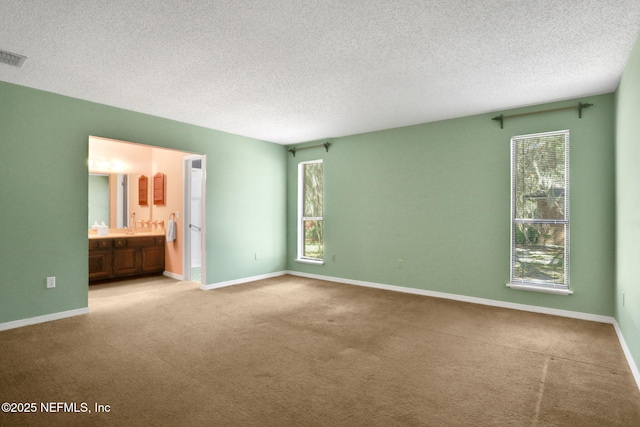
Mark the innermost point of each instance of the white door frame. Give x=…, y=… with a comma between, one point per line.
x=186, y=217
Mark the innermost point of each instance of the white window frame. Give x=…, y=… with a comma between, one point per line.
x=301, y=218
x=536, y=286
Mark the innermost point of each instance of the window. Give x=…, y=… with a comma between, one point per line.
x=540, y=212
x=310, y=212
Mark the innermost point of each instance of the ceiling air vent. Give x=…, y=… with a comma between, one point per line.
x=11, y=58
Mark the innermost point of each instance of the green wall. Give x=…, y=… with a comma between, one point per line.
x=628, y=203
x=43, y=194
x=437, y=196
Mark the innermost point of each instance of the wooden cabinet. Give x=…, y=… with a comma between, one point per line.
x=152, y=259
x=125, y=262
x=125, y=257
x=99, y=259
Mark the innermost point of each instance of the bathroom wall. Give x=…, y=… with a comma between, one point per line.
x=169, y=163
x=113, y=157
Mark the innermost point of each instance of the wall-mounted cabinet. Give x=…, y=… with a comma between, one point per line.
x=143, y=191
x=158, y=189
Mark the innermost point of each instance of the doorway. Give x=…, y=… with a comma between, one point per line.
x=194, y=225
x=124, y=163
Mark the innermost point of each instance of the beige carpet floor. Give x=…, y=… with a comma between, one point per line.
x=292, y=351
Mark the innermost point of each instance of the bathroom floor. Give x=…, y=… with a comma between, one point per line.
x=196, y=274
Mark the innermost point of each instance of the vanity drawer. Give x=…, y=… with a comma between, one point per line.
x=144, y=241
x=120, y=243
x=99, y=244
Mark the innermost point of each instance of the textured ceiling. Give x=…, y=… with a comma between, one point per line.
x=289, y=71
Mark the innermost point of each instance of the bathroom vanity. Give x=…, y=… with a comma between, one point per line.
x=125, y=256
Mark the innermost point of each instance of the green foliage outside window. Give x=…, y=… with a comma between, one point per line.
x=313, y=194
x=540, y=222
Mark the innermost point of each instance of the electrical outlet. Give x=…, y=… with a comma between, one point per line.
x=333, y=257
x=257, y=255
x=51, y=282
x=623, y=299
x=400, y=263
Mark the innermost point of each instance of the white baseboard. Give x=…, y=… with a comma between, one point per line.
x=495, y=303
x=173, y=275
x=464, y=298
x=423, y=292
x=41, y=319
x=627, y=353
x=242, y=280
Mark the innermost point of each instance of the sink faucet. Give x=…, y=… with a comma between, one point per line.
x=132, y=223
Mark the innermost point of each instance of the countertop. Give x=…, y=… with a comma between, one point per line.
x=121, y=232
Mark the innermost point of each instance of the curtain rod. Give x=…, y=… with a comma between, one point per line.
x=325, y=145
x=580, y=107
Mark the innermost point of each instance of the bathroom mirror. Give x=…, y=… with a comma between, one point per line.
x=98, y=198
x=109, y=199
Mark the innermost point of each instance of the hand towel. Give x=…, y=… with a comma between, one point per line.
x=171, y=230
